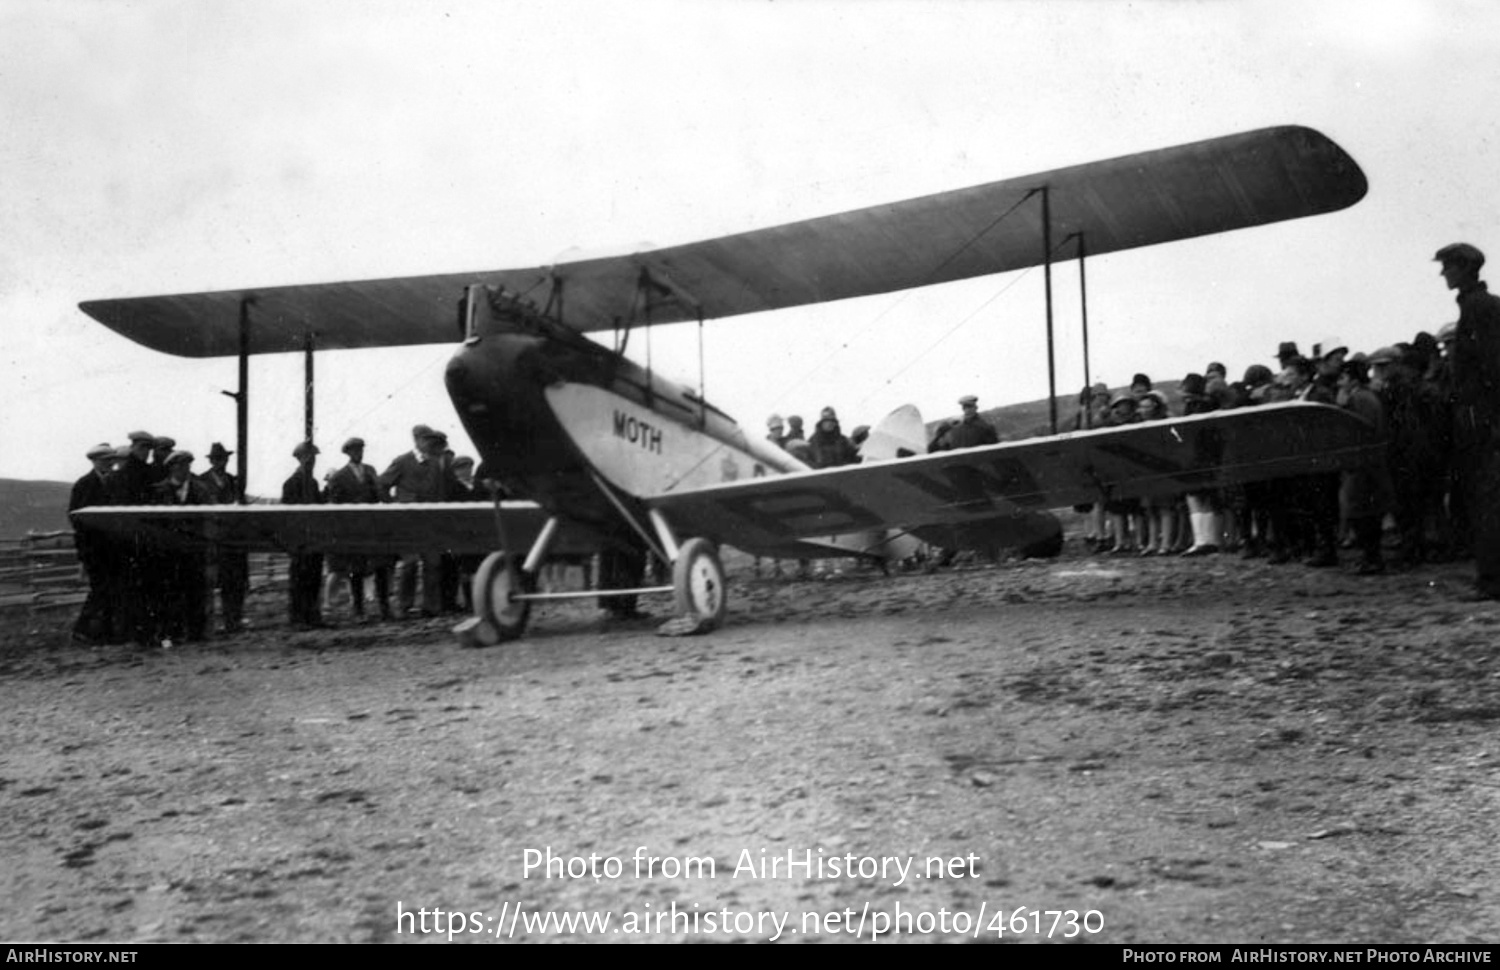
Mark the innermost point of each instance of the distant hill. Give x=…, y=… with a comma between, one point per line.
x=1033, y=419
x=32, y=507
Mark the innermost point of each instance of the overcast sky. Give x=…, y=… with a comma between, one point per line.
x=161, y=147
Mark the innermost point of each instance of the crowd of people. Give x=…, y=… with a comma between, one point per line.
x=152, y=593
x=1434, y=399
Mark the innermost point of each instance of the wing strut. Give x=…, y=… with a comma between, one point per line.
x=1047, y=275
x=614, y=500
x=1083, y=303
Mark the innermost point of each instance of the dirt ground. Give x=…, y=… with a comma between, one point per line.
x=1208, y=750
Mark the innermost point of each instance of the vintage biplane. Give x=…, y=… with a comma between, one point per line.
x=603, y=454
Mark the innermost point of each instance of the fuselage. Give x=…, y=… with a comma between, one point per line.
x=553, y=413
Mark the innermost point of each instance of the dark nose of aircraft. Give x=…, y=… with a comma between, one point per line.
x=465, y=377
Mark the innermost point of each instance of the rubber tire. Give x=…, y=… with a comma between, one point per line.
x=698, y=582
x=495, y=580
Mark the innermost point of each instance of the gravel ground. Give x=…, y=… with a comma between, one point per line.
x=1208, y=750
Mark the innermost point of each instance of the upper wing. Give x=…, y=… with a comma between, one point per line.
x=1015, y=478
x=1241, y=180
x=457, y=527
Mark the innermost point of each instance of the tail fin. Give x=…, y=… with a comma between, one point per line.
x=900, y=434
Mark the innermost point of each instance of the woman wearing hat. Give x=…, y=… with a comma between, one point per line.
x=1118, y=512
x=1157, y=521
x=1203, y=507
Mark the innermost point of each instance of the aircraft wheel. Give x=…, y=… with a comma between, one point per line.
x=497, y=579
x=698, y=582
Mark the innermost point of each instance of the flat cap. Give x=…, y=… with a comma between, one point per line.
x=180, y=455
x=1328, y=346
x=1460, y=253
x=968, y=401
x=352, y=444
x=304, y=448
x=421, y=431
x=163, y=441
x=1448, y=332
x=1384, y=355
x=102, y=450
x=774, y=421
x=142, y=436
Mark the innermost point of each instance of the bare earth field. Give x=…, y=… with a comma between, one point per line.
x=1171, y=751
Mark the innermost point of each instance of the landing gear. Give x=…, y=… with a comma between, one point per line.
x=498, y=615
x=698, y=583
x=505, y=587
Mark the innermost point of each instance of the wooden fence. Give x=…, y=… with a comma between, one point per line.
x=40, y=572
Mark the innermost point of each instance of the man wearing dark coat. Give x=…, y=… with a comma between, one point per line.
x=161, y=449
x=305, y=576
x=131, y=485
x=420, y=475
x=1365, y=491
x=358, y=484
x=231, y=572
x=971, y=431
x=182, y=581
x=96, y=553
x=1476, y=399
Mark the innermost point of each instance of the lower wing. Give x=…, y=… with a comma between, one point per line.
x=457, y=527
x=1017, y=480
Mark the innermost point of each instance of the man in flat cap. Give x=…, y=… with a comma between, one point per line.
x=95, y=623
x=180, y=587
x=305, y=578
x=161, y=449
x=131, y=485
x=970, y=431
x=420, y=475
x=358, y=484
x=1476, y=399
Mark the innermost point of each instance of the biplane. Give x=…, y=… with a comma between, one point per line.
x=602, y=454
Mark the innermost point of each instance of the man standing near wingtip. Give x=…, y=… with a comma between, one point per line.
x=96, y=621
x=231, y=572
x=1476, y=400
x=305, y=573
x=357, y=484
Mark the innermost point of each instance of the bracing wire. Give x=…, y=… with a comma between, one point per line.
x=843, y=346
